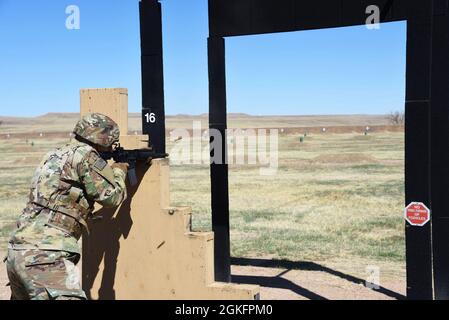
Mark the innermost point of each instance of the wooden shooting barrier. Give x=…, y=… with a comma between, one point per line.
x=146, y=249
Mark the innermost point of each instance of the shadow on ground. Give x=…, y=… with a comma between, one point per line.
x=281, y=283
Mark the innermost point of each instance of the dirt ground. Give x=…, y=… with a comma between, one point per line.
x=293, y=284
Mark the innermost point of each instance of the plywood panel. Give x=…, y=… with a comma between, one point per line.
x=110, y=102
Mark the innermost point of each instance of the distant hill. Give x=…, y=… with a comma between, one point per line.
x=59, y=115
x=64, y=122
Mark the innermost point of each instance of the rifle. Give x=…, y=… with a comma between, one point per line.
x=131, y=157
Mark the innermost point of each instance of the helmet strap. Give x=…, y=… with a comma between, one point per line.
x=81, y=139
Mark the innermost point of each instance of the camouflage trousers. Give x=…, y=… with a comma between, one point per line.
x=43, y=275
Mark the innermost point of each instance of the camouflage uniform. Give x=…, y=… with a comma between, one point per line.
x=43, y=250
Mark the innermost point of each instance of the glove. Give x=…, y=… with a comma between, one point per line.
x=122, y=166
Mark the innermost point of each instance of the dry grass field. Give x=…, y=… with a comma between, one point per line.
x=336, y=200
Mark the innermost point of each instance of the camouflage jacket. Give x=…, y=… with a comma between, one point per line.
x=64, y=188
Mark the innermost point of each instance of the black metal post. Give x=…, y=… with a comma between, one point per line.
x=417, y=152
x=440, y=148
x=153, y=110
x=219, y=171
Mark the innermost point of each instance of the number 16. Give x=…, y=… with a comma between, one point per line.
x=151, y=117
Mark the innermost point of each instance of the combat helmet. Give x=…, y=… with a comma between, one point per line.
x=98, y=129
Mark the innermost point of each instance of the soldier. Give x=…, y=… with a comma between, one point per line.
x=43, y=250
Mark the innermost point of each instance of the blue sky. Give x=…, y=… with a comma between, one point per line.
x=334, y=71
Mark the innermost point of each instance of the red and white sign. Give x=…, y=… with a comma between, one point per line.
x=417, y=214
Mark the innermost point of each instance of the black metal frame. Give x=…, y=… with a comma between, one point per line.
x=426, y=107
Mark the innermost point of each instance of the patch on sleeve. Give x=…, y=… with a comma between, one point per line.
x=107, y=173
x=100, y=164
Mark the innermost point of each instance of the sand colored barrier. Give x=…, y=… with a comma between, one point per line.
x=145, y=249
